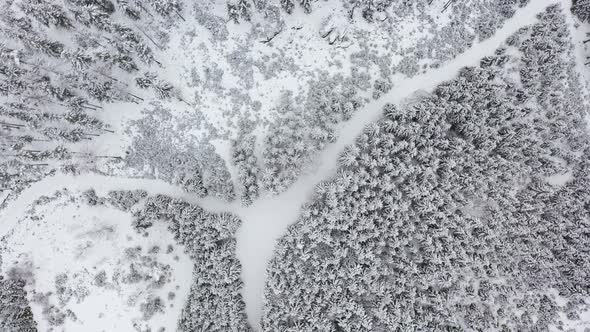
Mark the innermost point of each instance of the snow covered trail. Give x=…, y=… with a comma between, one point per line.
x=578, y=37
x=10, y=216
x=267, y=220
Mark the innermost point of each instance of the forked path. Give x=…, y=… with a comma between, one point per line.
x=265, y=221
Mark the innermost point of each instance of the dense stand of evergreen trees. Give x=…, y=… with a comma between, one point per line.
x=300, y=133
x=582, y=9
x=215, y=302
x=444, y=215
x=244, y=158
x=193, y=165
x=15, y=312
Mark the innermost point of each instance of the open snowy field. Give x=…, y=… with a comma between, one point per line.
x=260, y=165
x=87, y=269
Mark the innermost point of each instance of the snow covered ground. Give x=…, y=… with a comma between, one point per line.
x=88, y=269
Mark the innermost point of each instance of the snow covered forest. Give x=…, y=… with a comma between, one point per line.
x=294, y=165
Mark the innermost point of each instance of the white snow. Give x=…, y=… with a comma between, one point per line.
x=560, y=179
x=81, y=241
x=581, y=325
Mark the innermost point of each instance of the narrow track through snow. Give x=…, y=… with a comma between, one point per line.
x=267, y=220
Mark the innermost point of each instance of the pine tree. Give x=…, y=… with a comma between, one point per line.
x=79, y=60
x=131, y=12
x=306, y=4
x=93, y=15
x=15, y=312
x=193, y=183
x=47, y=14
x=233, y=13
x=581, y=8
x=288, y=5
x=166, y=7
x=245, y=10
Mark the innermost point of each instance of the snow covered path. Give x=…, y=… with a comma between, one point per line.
x=10, y=216
x=267, y=219
x=578, y=35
